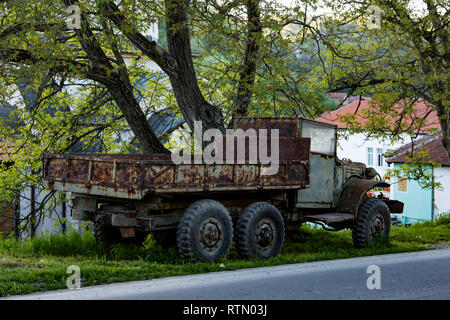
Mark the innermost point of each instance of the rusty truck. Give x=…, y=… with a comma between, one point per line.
x=202, y=208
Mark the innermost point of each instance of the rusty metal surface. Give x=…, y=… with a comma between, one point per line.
x=6, y=217
x=135, y=176
x=395, y=206
x=353, y=193
x=353, y=169
x=331, y=218
x=288, y=127
x=320, y=193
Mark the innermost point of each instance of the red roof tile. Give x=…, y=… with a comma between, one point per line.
x=421, y=109
x=433, y=144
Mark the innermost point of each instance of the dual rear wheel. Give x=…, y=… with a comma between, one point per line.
x=205, y=232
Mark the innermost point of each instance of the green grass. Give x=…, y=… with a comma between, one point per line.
x=40, y=264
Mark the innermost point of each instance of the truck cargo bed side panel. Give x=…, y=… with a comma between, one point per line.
x=135, y=176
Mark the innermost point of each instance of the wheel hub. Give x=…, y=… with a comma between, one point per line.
x=377, y=225
x=211, y=234
x=265, y=235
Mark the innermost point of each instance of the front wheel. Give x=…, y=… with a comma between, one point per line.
x=259, y=231
x=373, y=223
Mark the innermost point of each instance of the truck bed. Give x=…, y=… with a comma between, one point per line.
x=136, y=176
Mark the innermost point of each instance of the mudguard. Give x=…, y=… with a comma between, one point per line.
x=353, y=193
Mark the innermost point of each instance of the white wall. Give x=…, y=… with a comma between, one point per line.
x=51, y=221
x=355, y=147
x=442, y=197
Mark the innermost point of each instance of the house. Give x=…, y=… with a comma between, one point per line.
x=422, y=204
x=358, y=147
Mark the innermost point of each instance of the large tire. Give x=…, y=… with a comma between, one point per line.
x=104, y=232
x=205, y=231
x=259, y=231
x=373, y=223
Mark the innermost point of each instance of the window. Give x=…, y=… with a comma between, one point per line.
x=379, y=157
x=323, y=138
x=402, y=184
x=370, y=156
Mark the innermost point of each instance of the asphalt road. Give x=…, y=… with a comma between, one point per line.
x=418, y=275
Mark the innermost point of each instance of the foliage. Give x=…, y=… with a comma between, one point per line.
x=64, y=84
x=404, y=60
x=400, y=61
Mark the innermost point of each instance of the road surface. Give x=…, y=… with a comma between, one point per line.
x=417, y=275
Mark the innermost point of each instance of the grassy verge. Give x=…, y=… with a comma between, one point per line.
x=40, y=264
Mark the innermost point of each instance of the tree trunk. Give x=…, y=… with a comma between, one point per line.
x=124, y=97
x=192, y=104
x=176, y=62
x=247, y=76
x=444, y=119
x=120, y=88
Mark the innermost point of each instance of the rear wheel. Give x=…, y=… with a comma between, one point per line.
x=372, y=224
x=260, y=231
x=205, y=231
x=104, y=232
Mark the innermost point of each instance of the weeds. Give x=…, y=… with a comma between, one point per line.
x=40, y=264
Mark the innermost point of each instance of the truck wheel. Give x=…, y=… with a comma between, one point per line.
x=259, y=231
x=104, y=232
x=205, y=231
x=373, y=222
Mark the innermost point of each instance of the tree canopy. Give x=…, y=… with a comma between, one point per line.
x=82, y=88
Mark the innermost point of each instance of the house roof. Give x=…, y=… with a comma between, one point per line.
x=359, y=107
x=433, y=144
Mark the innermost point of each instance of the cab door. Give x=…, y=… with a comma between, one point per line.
x=322, y=165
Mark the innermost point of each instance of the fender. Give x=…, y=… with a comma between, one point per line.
x=353, y=193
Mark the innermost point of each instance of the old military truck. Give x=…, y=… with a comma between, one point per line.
x=204, y=207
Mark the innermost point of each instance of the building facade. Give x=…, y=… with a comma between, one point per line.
x=360, y=147
x=421, y=203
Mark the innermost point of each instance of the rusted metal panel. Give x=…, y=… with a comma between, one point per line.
x=6, y=217
x=288, y=127
x=161, y=174
x=395, y=206
x=134, y=176
x=330, y=218
x=320, y=194
x=353, y=192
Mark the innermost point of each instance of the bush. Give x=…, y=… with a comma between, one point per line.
x=444, y=218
